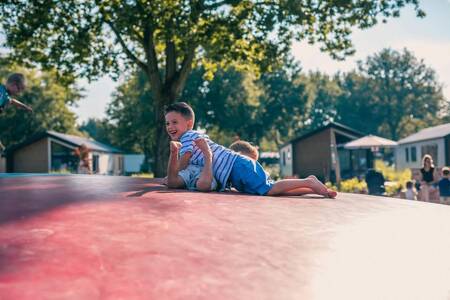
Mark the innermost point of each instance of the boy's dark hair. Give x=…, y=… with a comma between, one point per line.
x=409, y=184
x=182, y=108
x=16, y=78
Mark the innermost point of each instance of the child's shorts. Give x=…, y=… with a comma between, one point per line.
x=190, y=176
x=248, y=176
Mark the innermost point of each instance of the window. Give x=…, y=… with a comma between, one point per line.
x=413, y=154
x=63, y=159
x=407, y=154
x=95, y=163
x=431, y=149
x=284, y=158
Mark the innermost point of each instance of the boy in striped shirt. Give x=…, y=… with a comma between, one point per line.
x=225, y=165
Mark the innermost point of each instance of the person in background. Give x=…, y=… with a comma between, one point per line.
x=410, y=193
x=429, y=176
x=375, y=182
x=82, y=153
x=14, y=86
x=444, y=186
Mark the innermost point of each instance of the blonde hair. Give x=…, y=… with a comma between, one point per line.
x=430, y=158
x=245, y=148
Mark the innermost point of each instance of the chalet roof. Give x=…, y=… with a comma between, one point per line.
x=72, y=140
x=429, y=133
x=334, y=125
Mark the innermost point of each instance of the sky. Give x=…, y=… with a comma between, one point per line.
x=428, y=38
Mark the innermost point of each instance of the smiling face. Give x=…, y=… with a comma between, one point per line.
x=177, y=125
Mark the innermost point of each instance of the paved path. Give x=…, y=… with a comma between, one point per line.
x=92, y=237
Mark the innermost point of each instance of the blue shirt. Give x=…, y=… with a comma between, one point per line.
x=444, y=187
x=4, y=96
x=223, y=158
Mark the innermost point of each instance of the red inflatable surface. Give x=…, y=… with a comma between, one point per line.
x=89, y=237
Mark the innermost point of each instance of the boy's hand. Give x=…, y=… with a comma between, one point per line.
x=175, y=147
x=202, y=144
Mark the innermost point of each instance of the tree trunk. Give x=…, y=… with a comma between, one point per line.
x=161, y=145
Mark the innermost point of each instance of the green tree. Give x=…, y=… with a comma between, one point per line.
x=167, y=39
x=130, y=116
x=355, y=104
x=50, y=100
x=392, y=94
x=226, y=105
x=323, y=93
x=283, y=101
x=98, y=129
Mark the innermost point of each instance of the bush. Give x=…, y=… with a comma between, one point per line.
x=390, y=174
x=353, y=185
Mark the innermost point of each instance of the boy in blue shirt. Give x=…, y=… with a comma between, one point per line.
x=15, y=85
x=244, y=174
x=444, y=186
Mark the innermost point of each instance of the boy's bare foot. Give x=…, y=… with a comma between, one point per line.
x=320, y=188
x=202, y=144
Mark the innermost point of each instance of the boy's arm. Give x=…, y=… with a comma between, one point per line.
x=186, y=149
x=206, y=176
x=183, y=162
x=173, y=180
x=20, y=105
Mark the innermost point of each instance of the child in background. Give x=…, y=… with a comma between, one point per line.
x=444, y=186
x=410, y=193
x=15, y=85
x=82, y=152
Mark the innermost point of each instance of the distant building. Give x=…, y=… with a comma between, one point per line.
x=433, y=140
x=313, y=154
x=269, y=158
x=53, y=152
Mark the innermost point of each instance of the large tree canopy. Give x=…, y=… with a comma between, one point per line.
x=167, y=38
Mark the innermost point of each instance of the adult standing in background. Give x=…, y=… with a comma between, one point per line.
x=428, y=178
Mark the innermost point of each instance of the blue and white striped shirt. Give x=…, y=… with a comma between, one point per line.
x=223, y=158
